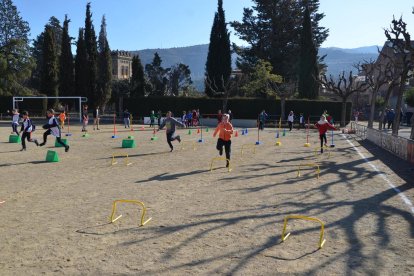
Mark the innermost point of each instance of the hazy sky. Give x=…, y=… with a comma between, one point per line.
x=142, y=24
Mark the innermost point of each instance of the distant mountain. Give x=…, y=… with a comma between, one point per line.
x=337, y=59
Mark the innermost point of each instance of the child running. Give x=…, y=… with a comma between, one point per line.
x=53, y=128
x=322, y=125
x=170, y=123
x=62, y=118
x=226, y=130
x=15, y=120
x=27, y=129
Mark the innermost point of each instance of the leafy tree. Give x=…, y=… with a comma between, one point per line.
x=218, y=65
x=179, y=79
x=81, y=66
x=67, y=77
x=105, y=68
x=50, y=72
x=15, y=60
x=92, y=56
x=157, y=75
x=137, y=78
x=308, y=65
x=272, y=30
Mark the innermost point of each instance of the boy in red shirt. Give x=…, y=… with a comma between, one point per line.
x=323, y=126
x=226, y=130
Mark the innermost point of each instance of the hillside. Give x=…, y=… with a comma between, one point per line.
x=337, y=59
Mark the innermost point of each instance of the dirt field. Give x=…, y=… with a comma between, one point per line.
x=55, y=215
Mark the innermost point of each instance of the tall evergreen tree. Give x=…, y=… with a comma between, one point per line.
x=67, y=77
x=81, y=66
x=272, y=30
x=218, y=65
x=105, y=68
x=37, y=50
x=16, y=61
x=308, y=62
x=137, y=78
x=92, y=56
x=49, y=84
x=157, y=76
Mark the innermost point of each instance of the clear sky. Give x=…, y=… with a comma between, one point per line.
x=142, y=24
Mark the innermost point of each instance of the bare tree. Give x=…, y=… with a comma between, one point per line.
x=284, y=91
x=227, y=86
x=344, y=87
x=400, y=41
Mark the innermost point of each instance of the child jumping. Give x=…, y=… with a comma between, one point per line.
x=226, y=130
x=170, y=123
x=53, y=128
x=322, y=125
x=26, y=130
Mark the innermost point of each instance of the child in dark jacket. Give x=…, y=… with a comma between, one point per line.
x=323, y=126
x=26, y=130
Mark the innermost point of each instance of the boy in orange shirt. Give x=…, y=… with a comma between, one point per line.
x=226, y=130
x=62, y=118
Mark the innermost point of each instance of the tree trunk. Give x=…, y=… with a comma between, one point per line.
x=387, y=98
x=372, y=111
x=396, y=123
x=282, y=107
x=412, y=128
x=343, y=112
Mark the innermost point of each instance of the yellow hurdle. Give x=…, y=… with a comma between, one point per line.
x=126, y=160
x=251, y=146
x=310, y=165
x=183, y=143
x=223, y=159
x=321, y=239
x=144, y=210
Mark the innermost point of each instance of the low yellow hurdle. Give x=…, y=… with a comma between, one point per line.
x=220, y=158
x=310, y=165
x=183, y=143
x=321, y=239
x=144, y=210
x=248, y=146
x=114, y=162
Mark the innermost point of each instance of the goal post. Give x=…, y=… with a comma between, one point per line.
x=80, y=101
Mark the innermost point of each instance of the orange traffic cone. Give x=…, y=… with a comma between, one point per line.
x=237, y=134
x=142, y=128
x=198, y=130
x=154, y=131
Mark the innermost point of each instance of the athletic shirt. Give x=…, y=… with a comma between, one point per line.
x=55, y=126
x=290, y=118
x=225, y=131
x=27, y=125
x=16, y=118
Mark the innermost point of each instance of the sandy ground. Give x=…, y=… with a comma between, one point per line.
x=55, y=216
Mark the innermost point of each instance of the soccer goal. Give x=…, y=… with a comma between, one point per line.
x=79, y=101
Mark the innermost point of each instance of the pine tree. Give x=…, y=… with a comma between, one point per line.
x=67, y=77
x=218, y=65
x=137, y=78
x=105, y=68
x=272, y=30
x=49, y=76
x=308, y=65
x=92, y=57
x=157, y=76
x=81, y=66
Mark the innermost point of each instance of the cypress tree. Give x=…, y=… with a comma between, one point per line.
x=218, y=64
x=105, y=68
x=137, y=78
x=81, y=66
x=67, y=77
x=92, y=56
x=308, y=61
x=49, y=76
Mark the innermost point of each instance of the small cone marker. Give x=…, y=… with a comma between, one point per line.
x=198, y=131
x=236, y=134
x=189, y=132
